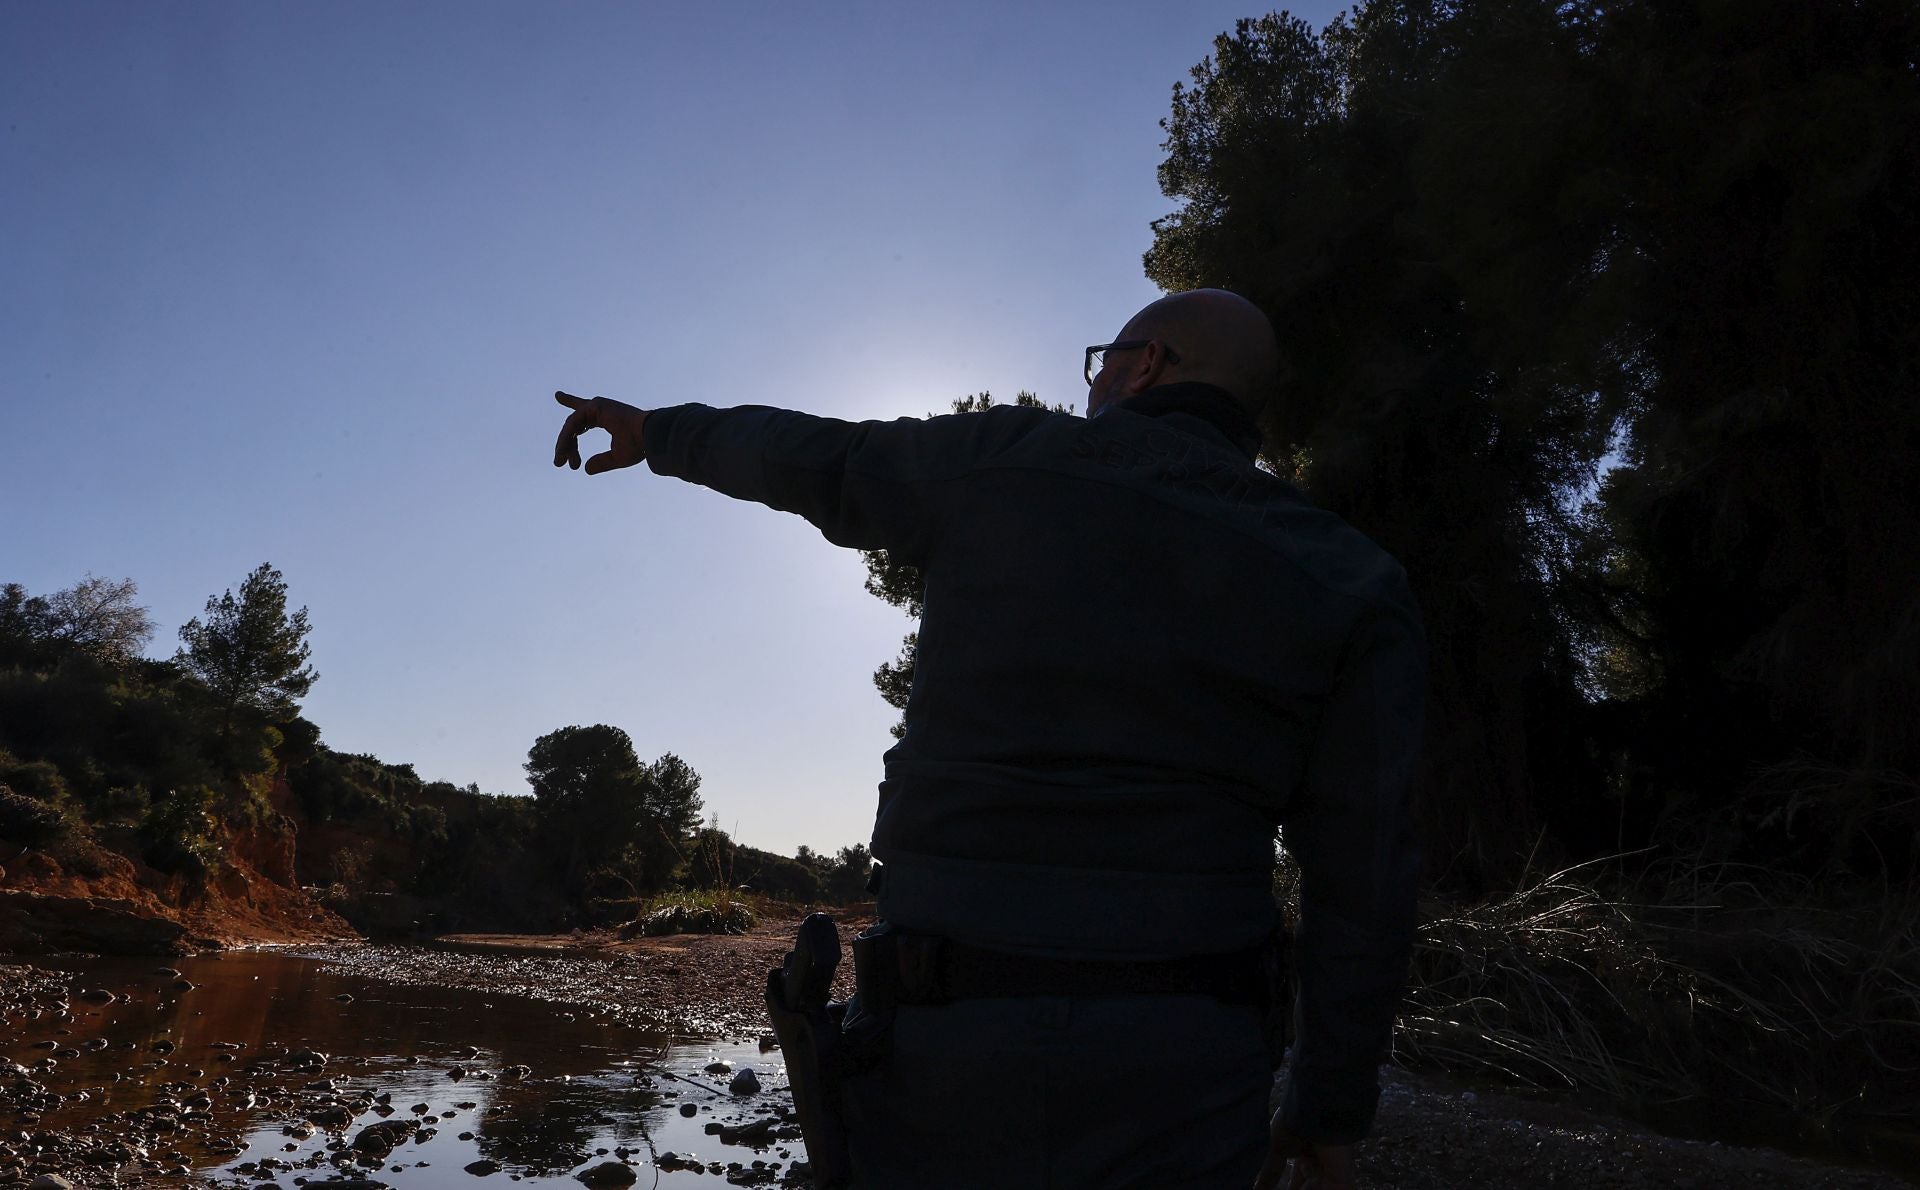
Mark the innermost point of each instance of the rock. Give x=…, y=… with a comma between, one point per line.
x=331, y=1117
x=745, y=1082
x=382, y=1138
x=749, y=1134
x=516, y=1072
x=98, y=996
x=50, y=1181
x=688, y=1109
x=345, y=997
x=182, y=985
x=482, y=1167
x=718, y=1067
x=608, y=1173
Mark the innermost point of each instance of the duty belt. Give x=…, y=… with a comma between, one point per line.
x=897, y=967
x=825, y=1043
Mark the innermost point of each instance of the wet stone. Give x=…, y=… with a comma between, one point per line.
x=608, y=1173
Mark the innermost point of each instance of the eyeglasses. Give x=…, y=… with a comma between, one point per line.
x=1097, y=356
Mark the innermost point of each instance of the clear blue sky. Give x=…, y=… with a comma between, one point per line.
x=295, y=283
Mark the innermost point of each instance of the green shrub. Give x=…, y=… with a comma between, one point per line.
x=177, y=833
x=30, y=822
x=118, y=805
x=707, y=911
x=35, y=779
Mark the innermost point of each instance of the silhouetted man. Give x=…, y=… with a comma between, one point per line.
x=1139, y=653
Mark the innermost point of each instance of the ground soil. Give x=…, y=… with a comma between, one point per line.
x=1431, y=1133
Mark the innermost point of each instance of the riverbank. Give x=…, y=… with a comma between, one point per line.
x=1430, y=1133
x=683, y=985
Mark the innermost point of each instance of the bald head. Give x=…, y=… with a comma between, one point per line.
x=1221, y=338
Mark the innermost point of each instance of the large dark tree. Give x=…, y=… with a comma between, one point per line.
x=1501, y=238
x=604, y=815
x=1760, y=550
x=1386, y=191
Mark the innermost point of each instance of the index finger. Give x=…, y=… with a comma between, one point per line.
x=566, y=448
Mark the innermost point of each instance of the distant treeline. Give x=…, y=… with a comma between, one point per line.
x=1602, y=317
x=166, y=762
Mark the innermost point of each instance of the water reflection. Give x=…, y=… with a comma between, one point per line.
x=596, y=1090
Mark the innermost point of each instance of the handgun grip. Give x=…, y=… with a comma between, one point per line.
x=806, y=974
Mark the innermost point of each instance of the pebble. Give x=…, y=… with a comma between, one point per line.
x=745, y=1082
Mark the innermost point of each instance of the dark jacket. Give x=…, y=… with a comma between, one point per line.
x=1139, y=653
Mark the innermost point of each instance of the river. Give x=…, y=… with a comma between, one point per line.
x=594, y=1090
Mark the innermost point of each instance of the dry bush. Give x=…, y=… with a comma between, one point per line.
x=1686, y=983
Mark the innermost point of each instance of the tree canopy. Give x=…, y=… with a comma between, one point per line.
x=249, y=651
x=606, y=815
x=1600, y=316
x=97, y=618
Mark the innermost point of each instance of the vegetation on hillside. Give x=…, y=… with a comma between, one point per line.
x=104, y=749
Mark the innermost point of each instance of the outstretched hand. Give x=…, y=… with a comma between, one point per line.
x=1305, y=1165
x=620, y=420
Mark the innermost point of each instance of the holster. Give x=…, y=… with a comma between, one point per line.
x=808, y=1028
x=1276, y=1016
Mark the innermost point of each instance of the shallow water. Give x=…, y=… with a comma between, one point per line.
x=598, y=1090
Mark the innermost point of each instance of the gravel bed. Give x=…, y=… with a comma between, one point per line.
x=1430, y=1134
